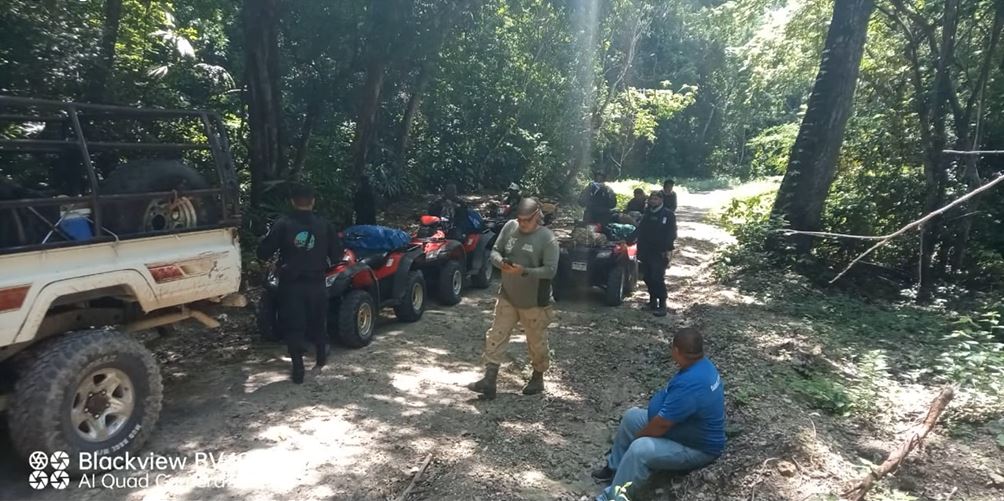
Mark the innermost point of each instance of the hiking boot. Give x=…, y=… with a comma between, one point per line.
x=298, y=369
x=604, y=474
x=322, y=356
x=535, y=385
x=486, y=385
x=660, y=309
x=651, y=306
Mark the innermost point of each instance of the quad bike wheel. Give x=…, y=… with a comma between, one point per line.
x=356, y=319
x=412, y=304
x=451, y=283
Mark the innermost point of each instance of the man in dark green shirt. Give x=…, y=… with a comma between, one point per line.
x=527, y=254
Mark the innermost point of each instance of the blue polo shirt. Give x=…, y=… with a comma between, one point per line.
x=694, y=400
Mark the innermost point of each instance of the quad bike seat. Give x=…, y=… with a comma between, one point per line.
x=374, y=260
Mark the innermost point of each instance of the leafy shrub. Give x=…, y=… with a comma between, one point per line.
x=973, y=358
x=824, y=394
x=750, y=221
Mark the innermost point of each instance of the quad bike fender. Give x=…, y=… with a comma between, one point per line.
x=478, y=256
x=361, y=277
x=404, y=267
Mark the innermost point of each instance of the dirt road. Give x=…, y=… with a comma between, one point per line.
x=360, y=428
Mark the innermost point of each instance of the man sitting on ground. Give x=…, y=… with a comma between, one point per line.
x=682, y=430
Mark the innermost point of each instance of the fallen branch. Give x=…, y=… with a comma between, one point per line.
x=414, y=480
x=920, y=222
x=858, y=492
x=976, y=153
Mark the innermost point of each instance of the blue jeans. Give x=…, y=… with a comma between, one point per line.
x=635, y=459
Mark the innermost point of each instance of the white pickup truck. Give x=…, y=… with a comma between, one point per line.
x=124, y=236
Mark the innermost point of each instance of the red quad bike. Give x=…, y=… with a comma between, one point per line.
x=612, y=267
x=447, y=262
x=356, y=287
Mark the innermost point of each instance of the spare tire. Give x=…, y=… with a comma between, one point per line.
x=163, y=214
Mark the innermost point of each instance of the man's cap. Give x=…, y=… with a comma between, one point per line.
x=513, y=186
x=527, y=207
x=668, y=181
x=657, y=193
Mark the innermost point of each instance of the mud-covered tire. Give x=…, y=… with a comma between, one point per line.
x=613, y=294
x=448, y=289
x=267, y=318
x=356, y=319
x=412, y=302
x=151, y=176
x=483, y=278
x=632, y=278
x=46, y=391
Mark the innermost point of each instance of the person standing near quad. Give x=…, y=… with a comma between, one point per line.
x=656, y=237
x=307, y=246
x=527, y=254
x=451, y=207
x=598, y=200
x=669, y=196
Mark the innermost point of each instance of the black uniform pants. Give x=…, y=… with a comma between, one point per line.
x=303, y=314
x=653, y=272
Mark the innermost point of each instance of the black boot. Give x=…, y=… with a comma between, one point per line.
x=660, y=308
x=298, y=369
x=536, y=384
x=322, y=356
x=652, y=304
x=604, y=474
x=486, y=385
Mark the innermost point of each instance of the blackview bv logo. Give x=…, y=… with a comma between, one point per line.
x=39, y=462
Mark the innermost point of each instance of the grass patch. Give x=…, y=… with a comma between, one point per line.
x=866, y=354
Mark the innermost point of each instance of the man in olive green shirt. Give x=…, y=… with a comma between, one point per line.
x=527, y=254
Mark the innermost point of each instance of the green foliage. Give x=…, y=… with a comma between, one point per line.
x=750, y=221
x=973, y=357
x=770, y=150
x=823, y=394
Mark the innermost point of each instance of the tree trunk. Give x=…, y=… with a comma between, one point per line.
x=813, y=161
x=971, y=173
x=313, y=115
x=263, y=96
x=408, y=120
x=936, y=168
x=97, y=82
x=381, y=36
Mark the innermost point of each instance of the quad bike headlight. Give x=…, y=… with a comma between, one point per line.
x=330, y=280
x=273, y=280
x=603, y=254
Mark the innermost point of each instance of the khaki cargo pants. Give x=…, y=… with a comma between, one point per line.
x=534, y=322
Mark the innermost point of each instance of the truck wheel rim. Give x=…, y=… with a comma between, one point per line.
x=163, y=214
x=458, y=282
x=102, y=405
x=364, y=319
x=417, y=297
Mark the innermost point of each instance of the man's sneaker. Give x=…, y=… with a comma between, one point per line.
x=604, y=474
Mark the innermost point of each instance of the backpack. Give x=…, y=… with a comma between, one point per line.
x=367, y=238
x=475, y=220
x=618, y=231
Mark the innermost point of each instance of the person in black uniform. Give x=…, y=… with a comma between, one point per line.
x=638, y=203
x=656, y=236
x=598, y=199
x=513, y=196
x=307, y=246
x=669, y=196
x=452, y=207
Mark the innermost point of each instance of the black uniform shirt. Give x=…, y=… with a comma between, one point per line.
x=657, y=231
x=307, y=245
